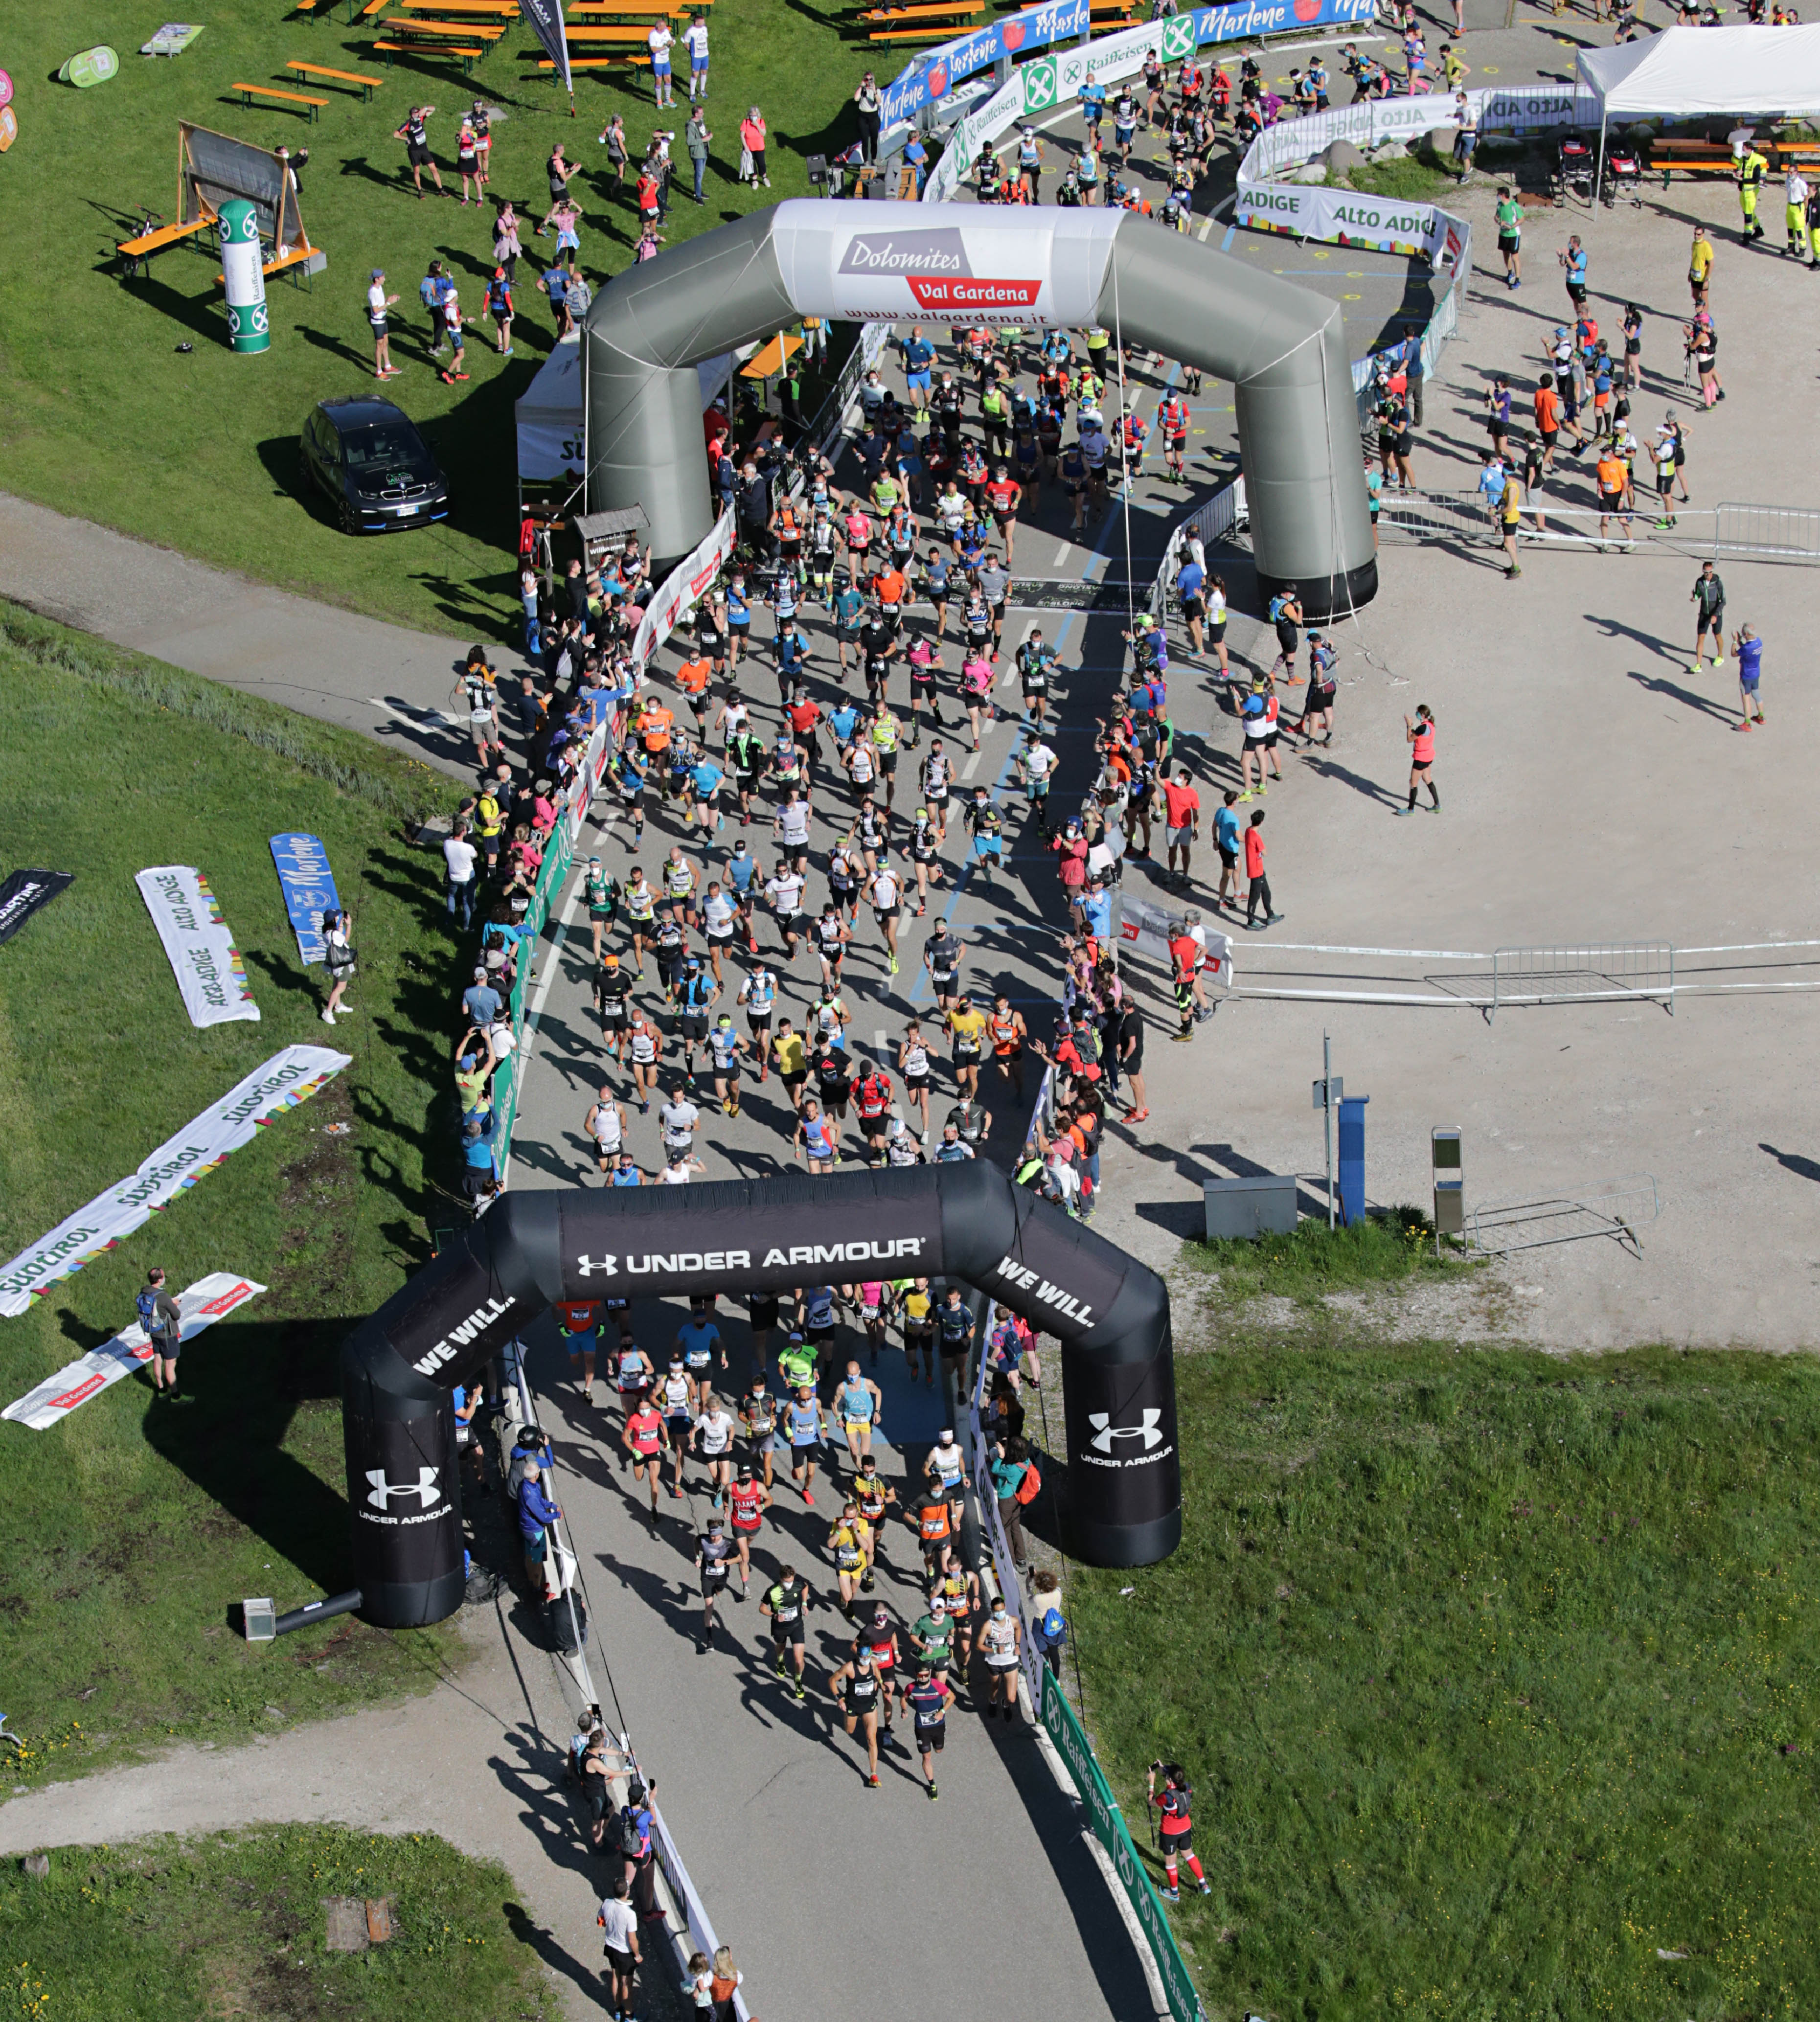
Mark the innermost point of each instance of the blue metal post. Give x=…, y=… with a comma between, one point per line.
x=1352, y=1158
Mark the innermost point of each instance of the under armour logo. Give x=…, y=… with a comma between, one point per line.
x=607, y=1266
x=1105, y=1431
x=424, y=1488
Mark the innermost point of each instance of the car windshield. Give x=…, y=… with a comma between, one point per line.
x=383, y=442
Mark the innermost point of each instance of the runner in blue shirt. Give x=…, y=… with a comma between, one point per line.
x=1749, y=649
x=802, y=1418
x=1092, y=105
x=919, y=355
x=698, y=1341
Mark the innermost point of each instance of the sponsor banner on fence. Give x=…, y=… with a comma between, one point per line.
x=200, y=1305
x=1342, y=218
x=210, y=972
x=1004, y=1569
x=308, y=885
x=934, y=75
x=287, y=1079
x=681, y=587
x=1369, y=122
x=1142, y=928
x=1042, y=267
x=1065, y=1730
x=23, y=892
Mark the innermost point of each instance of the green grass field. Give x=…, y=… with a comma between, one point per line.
x=234, y=1924
x=101, y=415
x=130, y=1528
x=1494, y=1673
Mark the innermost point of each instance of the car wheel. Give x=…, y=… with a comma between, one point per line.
x=350, y=520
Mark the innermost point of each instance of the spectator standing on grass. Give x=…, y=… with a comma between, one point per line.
x=414, y=134
x=695, y=41
x=163, y=1324
x=662, y=81
x=695, y=138
x=752, y=138
x=338, y=956
x=378, y=302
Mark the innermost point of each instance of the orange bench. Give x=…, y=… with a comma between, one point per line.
x=137, y=252
x=469, y=57
x=250, y=92
x=594, y=63
x=341, y=76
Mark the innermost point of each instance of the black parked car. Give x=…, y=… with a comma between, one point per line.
x=368, y=455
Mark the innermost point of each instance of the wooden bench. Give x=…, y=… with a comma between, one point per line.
x=501, y=10
x=597, y=63
x=280, y=264
x=250, y=92
x=630, y=9
x=137, y=252
x=953, y=10
x=911, y=35
x=342, y=76
x=370, y=9
x=411, y=24
x=468, y=57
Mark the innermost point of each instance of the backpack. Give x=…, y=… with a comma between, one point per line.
x=147, y=1303
x=1030, y=1487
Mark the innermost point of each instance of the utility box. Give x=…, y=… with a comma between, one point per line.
x=1449, y=1183
x=258, y=1621
x=1244, y=1210
x=1352, y=1159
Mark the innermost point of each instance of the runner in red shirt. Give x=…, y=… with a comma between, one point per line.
x=579, y=1320
x=1004, y=497
x=749, y=1501
x=1183, y=822
x=643, y=1440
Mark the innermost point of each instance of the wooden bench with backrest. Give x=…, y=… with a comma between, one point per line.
x=137, y=251
x=250, y=92
x=340, y=76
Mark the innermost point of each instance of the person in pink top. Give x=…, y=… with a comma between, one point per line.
x=752, y=140
x=1071, y=847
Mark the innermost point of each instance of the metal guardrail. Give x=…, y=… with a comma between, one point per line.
x=1596, y=974
x=1616, y=1211
x=1759, y=533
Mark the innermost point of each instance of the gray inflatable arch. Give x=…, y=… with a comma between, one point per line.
x=968, y=1223
x=1283, y=348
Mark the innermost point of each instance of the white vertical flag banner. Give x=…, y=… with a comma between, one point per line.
x=287, y=1079
x=198, y=1305
x=209, y=972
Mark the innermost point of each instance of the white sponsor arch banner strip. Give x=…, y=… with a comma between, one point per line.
x=681, y=590
x=287, y=1079
x=209, y=972
x=200, y=1305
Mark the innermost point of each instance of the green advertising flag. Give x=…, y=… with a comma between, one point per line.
x=1065, y=1730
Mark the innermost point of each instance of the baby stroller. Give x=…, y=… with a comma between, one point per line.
x=1624, y=173
x=1573, y=171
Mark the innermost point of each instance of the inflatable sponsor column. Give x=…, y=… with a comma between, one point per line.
x=244, y=268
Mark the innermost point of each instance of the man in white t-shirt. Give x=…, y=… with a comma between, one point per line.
x=784, y=889
x=695, y=41
x=460, y=855
x=658, y=41
x=378, y=302
x=619, y=1921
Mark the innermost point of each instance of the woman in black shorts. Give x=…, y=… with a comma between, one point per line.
x=1216, y=602
x=913, y=1065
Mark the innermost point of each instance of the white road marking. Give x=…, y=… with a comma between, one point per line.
x=972, y=764
x=878, y=1039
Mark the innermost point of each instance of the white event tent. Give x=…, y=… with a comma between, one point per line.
x=1684, y=73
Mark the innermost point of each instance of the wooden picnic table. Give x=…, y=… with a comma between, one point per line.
x=772, y=358
x=502, y=10
x=611, y=34
x=631, y=9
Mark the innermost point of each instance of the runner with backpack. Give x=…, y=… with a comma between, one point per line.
x=1173, y=1802
x=163, y=1324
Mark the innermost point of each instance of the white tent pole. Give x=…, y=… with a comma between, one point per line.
x=1598, y=173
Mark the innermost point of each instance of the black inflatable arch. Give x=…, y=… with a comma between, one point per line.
x=965, y=1222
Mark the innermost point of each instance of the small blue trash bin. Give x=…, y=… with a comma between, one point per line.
x=1352, y=1159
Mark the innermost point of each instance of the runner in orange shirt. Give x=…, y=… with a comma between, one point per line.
x=692, y=678
x=1003, y=497
x=654, y=726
